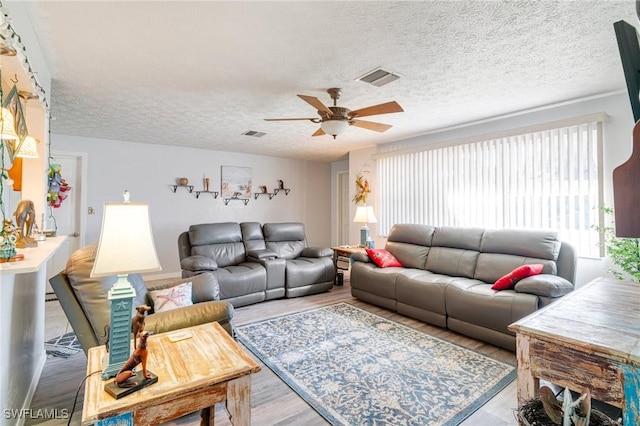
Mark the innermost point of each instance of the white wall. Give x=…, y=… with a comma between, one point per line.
x=336, y=168
x=147, y=171
x=617, y=149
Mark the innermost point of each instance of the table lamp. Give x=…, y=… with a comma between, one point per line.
x=126, y=247
x=364, y=214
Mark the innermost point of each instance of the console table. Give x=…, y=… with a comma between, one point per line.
x=589, y=338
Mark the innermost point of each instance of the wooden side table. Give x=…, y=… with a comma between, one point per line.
x=589, y=338
x=194, y=373
x=341, y=255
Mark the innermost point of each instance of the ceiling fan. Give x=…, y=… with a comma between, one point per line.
x=335, y=120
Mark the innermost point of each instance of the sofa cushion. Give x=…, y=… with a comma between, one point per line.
x=252, y=236
x=170, y=298
x=92, y=292
x=461, y=238
x=521, y=242
x=474, y=302
x=509, y=280
x=219, y=241
x=452, y=261
x=410, y=244
x=423, y=289
x=304, y=271
x=286, y=239
x=242, y=279
x=383, y=258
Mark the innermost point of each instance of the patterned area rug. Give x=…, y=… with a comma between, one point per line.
x=62, y=346
x=358, y=368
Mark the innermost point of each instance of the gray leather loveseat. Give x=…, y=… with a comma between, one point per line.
x=254, y=262
x=448, y=273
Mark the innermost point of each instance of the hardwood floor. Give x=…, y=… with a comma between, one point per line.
x=273, y=402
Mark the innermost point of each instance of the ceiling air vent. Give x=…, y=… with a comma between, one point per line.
x=254, y=134
x=378, y=77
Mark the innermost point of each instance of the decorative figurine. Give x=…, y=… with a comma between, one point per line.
x=183, y=181
x=139, y=356
x=263, y=188
x=7, y=241
x=206, y=184
x=25, y=218
x=280, y=184
x=137, y=325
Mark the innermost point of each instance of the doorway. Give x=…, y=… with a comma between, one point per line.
x=343, y=208
x=68, y=219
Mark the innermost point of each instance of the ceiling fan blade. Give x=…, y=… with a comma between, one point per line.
x=316, y=103
x=319, y=132
x=290, y=119
x=385, y=108
x=370, y=125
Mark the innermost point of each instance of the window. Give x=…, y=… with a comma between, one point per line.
x=546, y=177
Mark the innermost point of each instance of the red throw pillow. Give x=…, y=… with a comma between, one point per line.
x=509, y=281
x=383, y=258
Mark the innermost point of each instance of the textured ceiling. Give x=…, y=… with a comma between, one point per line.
x=201, y=73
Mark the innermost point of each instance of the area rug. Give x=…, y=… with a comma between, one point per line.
x=357, y=368
x=62, y=346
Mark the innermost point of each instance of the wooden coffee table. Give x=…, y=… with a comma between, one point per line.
x=194, y=374
x=588, y=338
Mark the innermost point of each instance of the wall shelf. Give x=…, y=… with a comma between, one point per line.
x=213, y=193
x=286, y=191
x=257, y=194
x=174, y=188
x=235, y=197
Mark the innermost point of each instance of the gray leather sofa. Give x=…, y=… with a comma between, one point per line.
x=84, y=300
x=254, y=262
x=448, y=272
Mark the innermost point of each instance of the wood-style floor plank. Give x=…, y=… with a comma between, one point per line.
x=273, y=402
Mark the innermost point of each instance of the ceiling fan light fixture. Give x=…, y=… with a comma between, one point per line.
x=334, y=127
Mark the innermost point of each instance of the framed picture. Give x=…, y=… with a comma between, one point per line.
x=235, y=182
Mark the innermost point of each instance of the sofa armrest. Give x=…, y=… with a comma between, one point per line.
x=200, y=313
x=261, y=254
x=316, y=252
x=360, y=256
x=544, y=285
x=198, y=263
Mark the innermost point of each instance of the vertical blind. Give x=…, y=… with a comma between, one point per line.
x=549, y=179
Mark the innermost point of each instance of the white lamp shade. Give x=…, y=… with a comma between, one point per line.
x=364, y=214
x=28, y=148
x=7, y=126
x=126, y=241
x=334, y=127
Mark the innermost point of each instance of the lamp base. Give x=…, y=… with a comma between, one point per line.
x=138, y=380
x=364, y=236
